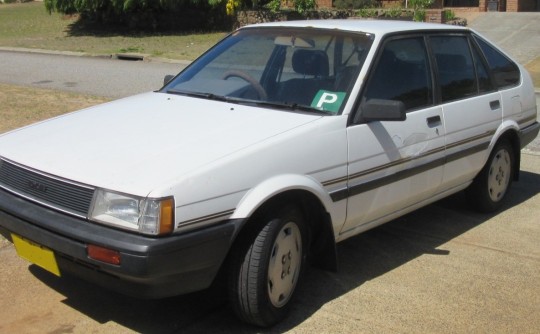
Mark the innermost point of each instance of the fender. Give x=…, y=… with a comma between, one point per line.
x=276, y=185
x=509, y=128
x=507, y=125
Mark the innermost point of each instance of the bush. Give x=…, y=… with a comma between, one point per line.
x=393, y=12
x=301, y=6
x=147, y=14
x=419, y=7
x=355, y=4
x=367, y=12
x=449, y=15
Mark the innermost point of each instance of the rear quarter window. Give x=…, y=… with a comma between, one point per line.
x=505, y=72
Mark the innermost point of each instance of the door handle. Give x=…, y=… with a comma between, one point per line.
x=434, y=121
x=494, y=105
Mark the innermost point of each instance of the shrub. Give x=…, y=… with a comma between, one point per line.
x=367, y=12
x=393, y=12
x=147, y=14
x=419, y=7
x=449, y=15
x=355, y=4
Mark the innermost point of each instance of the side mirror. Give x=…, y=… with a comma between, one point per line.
x=382, y=110
x=167, y=79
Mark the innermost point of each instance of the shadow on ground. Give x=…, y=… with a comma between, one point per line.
x=362, y=258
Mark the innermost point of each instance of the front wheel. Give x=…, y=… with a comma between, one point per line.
x=490, y=187
x=266, y=267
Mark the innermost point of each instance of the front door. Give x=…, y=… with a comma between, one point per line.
x=395, y=164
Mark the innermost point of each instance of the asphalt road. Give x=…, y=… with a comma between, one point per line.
x=89, y=75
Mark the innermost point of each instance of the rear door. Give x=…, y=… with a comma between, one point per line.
x=471, y=105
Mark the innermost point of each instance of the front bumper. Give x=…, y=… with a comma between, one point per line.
x=150, y=267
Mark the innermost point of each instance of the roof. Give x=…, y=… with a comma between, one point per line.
x=368, y=26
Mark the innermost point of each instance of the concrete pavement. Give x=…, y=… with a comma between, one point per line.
x=516, y=33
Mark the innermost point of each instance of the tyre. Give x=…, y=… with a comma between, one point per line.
x=266, y=266
x=490, y=187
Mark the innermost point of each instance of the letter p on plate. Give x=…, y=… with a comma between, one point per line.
x=329, y=101
x=327, y=98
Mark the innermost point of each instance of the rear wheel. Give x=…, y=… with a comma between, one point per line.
x=490, y=187
x=266, y=266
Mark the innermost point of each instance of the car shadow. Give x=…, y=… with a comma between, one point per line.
x=361, y=259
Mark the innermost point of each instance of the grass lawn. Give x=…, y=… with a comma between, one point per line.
x=29, y=25
x=22, y=106
x=26, y=105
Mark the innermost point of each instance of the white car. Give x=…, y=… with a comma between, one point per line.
x=278, y=142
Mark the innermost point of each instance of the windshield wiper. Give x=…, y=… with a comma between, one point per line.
x=278, y=105
x=293, y=107
x=208, y=96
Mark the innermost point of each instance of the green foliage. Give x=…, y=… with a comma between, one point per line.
x=231, y=7
x=420, y=4
x=301, y=6
x=367, y=12
x=107, y=6
x=419, y=15
x=419, y=7
x=355, y=4
x=274, y=5
x=393, y=12
x=449, y=15
x=149, y=14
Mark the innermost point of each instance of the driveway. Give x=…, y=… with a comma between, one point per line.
x=516, y=33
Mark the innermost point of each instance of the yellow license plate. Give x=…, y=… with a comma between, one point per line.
x=37, y=254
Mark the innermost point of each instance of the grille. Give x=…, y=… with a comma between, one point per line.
x=46, y=190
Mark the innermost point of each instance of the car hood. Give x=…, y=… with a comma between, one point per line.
x=136, y=144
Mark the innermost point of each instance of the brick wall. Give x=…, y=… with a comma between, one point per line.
x=512, y=5
x=324, y=3
x=434, y=16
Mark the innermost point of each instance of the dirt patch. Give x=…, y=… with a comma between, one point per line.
x=4, y=242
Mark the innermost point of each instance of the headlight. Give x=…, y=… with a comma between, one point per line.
x=145, y=215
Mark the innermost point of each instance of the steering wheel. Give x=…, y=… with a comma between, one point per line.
x=254, y=83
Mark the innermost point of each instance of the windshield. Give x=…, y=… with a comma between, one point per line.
x=301, y=69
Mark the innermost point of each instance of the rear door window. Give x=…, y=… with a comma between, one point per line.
x=455, y=67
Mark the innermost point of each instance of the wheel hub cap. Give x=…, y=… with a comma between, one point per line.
x=284, y=265
x=499, y=175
